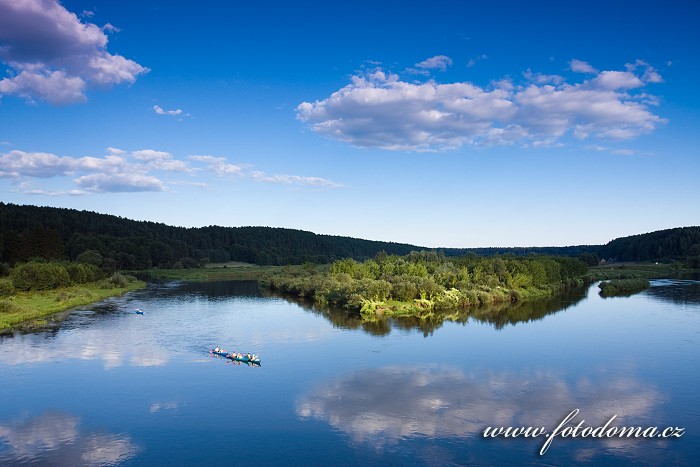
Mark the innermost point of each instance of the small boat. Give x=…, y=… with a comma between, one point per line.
x=255, y=360
x=138, y=311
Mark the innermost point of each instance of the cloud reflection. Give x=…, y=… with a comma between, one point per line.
x=55, y=438
x=383, y=406
x=89, y=344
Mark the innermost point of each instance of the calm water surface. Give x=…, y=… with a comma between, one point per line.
x=110, y=387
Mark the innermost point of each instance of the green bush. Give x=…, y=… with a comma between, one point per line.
x=6, y=288
x=7, y=306
x=82, y=273
x=39, y=276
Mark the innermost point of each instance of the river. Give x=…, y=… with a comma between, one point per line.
x=107, y=386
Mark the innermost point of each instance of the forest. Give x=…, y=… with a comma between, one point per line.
x=56, y=233
x=682, y=243
x=28, y=232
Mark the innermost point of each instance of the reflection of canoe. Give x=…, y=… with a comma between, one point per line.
x=235, y=358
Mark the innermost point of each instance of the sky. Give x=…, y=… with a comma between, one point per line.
x=439, y=124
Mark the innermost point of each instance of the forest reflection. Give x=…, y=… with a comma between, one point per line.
x=498, y=315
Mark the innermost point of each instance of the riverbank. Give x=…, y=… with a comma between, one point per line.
x=226, y=271
x=34, y=307
x=629, y=270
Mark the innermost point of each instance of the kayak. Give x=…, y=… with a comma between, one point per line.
x=236, y=358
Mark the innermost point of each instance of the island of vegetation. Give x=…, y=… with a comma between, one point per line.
x=623, y=287
x=422, y=283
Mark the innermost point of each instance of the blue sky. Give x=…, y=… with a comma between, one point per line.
x=439, y=124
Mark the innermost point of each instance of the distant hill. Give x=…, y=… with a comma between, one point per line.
x=672, y=244
x=32, y=231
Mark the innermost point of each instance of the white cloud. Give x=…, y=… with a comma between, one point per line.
x=119, y=183
x=160, y=111
x=34, y=164
x=160, y=160
x=650, y=75
x=539, y=78
x=472, y=61
x=579, y=66
x=440, y=62
x=53, y=56
x=55, y=87
x=218, y=165
x=294, y=180
x=613, y=80
x=623, y=152
x=122, y=171
x=377, y=109
x=27, y=189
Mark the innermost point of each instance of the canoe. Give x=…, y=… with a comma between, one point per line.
x=242, y=358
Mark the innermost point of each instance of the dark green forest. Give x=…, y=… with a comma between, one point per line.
x=55, y=233
x=682, y=243
x=28, y=232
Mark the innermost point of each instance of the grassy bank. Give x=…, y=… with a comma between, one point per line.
x=34, y=306
x=634, y=271
x=239, y=271
x=623, y=287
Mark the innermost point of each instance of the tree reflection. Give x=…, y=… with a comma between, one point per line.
x=499, y=315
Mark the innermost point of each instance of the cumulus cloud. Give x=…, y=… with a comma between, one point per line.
x=378, y=109
x=121, y=171
x=160, y=111
x=111, y=173
x=53, y=56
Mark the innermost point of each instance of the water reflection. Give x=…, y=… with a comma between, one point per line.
x=91, y=344
x=221, y=289
x=678, y=291
x=499, y=315
x=55, y=438
x=383, y=406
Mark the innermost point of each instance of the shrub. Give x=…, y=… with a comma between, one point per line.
x=119, y=280
x=81, y=273
x=6, y=288
x=39, y=276
x=7, y=306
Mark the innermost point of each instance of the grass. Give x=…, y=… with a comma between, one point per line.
x=33, y=307
x=634, y=271
x=243, y=271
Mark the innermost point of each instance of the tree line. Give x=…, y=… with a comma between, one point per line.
x=682, y=243
x=28, y=232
